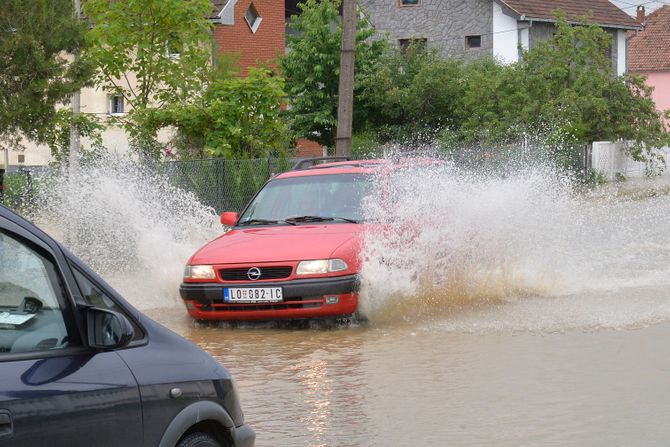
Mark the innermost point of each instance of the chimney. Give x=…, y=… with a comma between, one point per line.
x=640, y=14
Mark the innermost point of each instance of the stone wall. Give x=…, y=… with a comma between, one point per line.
x=444, y=23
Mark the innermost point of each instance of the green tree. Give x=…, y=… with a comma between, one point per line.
x=311, y=67
x=410, y=92
x=35, y=76
x=58, y=137
x=495, y=105
x=236, y=117
x=152, y=52
x=566, y=88
x=562, y=91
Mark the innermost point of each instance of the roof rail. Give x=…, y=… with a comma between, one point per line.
x=309, y=162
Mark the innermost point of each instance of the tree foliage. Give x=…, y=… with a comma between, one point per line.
x=311, y=67
x=564, y=90
x=152, y=52
x=35, y=76
x=409, y=92
x=58, y=137
x=236, y=117
x=569, y=84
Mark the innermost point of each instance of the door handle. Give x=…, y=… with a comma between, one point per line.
x=5, y=423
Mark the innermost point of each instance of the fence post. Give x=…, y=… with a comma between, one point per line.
x=2, y=185
x=219, y=173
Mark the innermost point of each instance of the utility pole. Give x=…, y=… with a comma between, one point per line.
x=345, y=100
x=76, y=108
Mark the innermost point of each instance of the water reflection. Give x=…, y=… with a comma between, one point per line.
x=298, y=386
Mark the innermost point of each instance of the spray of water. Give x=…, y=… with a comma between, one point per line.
x=449, y=249
x=129, y=223
x=522, y=250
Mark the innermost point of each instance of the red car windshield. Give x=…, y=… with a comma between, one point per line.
x=314, y=198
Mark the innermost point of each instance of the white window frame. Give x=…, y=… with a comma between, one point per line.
x=256, y=23
x=110, y=105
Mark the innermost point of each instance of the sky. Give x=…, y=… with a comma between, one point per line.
x=630, y=6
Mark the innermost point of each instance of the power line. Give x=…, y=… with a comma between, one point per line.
x=635, y=5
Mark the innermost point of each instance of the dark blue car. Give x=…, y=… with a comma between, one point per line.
x=79, y=366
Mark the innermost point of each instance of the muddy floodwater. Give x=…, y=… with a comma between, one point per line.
x=518, y=312
x=410, y=385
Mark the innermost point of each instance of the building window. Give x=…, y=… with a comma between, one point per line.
x=173, y=46
x=22, y=158
x=402, y=3
x=253, y=18
x=608, y=51
x=116, y=105
x=417, y=43
x=473, y=41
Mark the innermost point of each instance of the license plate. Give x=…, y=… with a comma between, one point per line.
x=252, y=294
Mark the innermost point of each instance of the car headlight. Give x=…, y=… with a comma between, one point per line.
x=199, y=272
x=321, y=266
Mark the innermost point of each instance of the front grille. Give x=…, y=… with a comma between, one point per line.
x=240, y=274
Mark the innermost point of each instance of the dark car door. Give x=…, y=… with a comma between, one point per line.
x=54, y=390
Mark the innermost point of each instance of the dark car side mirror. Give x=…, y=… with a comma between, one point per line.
x=229, y=218
x=108, y=329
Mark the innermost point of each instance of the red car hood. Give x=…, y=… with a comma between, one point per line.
x=277, y=243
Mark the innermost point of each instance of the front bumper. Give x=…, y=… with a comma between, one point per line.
x=303, y=298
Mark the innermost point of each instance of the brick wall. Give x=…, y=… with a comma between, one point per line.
x=262, y=46
x=308, y=148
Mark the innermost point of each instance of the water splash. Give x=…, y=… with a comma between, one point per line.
x=492, y=251
x=455, y=250
x=129, y=223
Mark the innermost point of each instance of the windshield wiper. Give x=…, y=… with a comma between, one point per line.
x=318, y=219
x=264, y=222
x=346, y=219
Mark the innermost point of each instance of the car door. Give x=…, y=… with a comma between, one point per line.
x=54, y=389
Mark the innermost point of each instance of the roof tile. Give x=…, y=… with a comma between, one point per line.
x=217, y=6
x=601, y=12
x=649, y=49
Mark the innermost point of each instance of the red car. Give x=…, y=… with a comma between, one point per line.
x=293, y=253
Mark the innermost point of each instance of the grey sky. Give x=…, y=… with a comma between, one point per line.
x=630, y=6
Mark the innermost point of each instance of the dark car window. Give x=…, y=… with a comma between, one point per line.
x=94, y=296
x=315, y=195
x=31, y=315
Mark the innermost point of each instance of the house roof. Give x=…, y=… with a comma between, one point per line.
x=649, y=49
x=217, y=7
x=601, y=12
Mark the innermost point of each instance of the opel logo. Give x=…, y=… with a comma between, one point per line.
x=254, y=273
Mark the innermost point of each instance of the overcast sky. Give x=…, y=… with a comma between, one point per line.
x=630, y=6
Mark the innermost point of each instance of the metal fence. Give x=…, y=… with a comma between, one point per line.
x=228, y=185
x=17, y=187
x=574, y=159
x=225, y=185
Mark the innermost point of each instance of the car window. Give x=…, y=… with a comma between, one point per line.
x=94, y=296
x=31, y=315
x=318, y=195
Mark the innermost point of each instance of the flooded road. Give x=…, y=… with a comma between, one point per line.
x=428, y=384
x=522, y=314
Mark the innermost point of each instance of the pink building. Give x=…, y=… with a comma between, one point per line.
x=649, y=53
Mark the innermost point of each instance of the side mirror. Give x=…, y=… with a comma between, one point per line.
x=108, y=329
x=229, y=218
